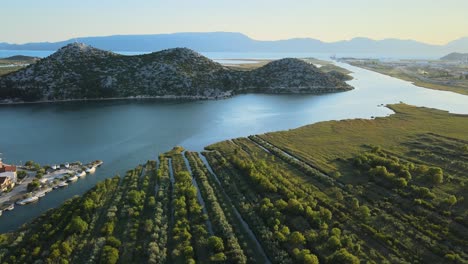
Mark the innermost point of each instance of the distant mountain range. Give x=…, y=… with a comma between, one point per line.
x=462, y=57
x=237, y=42
x=79, y=71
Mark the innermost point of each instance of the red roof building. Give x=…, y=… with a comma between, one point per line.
x=7, y=168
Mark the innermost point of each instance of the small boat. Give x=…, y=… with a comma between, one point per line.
x=62, y=184
x=99, y=163
x=28, y=200
x=9, y=207
x=40, y=195
x=72, y=179
x=67, y=165
x=91, y=170
x=80, y=174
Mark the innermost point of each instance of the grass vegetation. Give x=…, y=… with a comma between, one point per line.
x=6, y=70
x=14, y=63
x=388, y=190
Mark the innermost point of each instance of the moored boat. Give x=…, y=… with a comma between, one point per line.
x=91, y=169
x=9, y=207
x=62, y=184
x=28, y=200
x=72, y=178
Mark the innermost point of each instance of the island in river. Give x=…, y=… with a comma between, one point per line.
x=78, y=71
x=387, y=190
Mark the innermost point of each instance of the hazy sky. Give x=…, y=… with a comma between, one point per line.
x=431, y=21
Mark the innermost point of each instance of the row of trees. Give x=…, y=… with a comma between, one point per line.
x=157, y=248
x=189, y=231
x=297, y=224
x=221, y=225
x=242, y=195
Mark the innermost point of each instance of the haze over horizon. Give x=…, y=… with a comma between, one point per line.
x=253, y=38
x=53, y=20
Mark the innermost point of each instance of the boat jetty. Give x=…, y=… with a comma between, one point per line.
x=37, y=181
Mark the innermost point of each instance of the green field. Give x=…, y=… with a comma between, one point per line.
x=6, y=70
x=15, y=63
x=388, y=190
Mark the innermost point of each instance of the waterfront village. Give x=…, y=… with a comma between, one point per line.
x=24, y=184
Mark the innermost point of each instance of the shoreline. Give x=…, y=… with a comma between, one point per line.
x=165, y=97
x=320, y=91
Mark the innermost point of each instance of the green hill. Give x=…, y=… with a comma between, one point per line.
x=78, y=71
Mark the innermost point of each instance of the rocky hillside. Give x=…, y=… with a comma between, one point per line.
x=292, y=76
x=78, y=71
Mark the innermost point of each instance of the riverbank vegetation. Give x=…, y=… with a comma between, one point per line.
x=388, y=190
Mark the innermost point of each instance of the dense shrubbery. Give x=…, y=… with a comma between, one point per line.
x=389, y=169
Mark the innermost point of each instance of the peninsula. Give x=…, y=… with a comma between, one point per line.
x=78, y=71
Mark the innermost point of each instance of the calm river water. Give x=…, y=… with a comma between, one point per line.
x=128, y=132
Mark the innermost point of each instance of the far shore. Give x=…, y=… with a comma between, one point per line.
x=169, y=97
x=322, y=90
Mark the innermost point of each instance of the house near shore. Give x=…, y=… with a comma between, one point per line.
x=8, y=171
x=6, y=168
